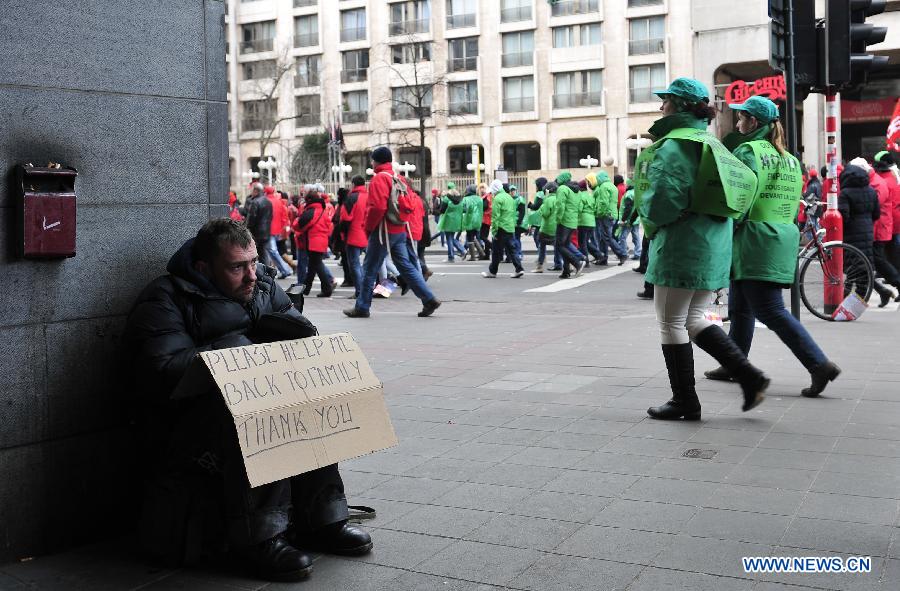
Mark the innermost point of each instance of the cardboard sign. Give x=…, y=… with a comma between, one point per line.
x=850, y=309
x=299, y=405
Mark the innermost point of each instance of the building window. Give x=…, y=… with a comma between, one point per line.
x=521, y=157
x=355, y=106
x=411, y=53
x=518, y=49
x=576, y=35
x=642, y=81
x=459, y=156
x=411, y=102
x=461, y=13
x=353, y=24
x=567, y=7
x=258, y=115
x=305, y=3
x=411, y=16
x=355, y=65
x=512, y=11
x=639, y=3
x=463, y=97
x=306, y=31
x=518, y=94
x=578, y=89
x=258, y=70
x=411, y=155
x=647, y=35
x=571, y=151
x=308, y=71
x=257, y=37
x=308, y=112
x=463, y=54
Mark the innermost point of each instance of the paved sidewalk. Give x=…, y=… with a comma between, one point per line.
x=527, y=460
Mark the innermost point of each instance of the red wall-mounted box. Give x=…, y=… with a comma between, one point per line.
x=48, y=212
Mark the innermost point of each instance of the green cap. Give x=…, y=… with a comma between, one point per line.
x=686, y=88
x=880, y=154
x=513, y=188
x=760, y=107
x=451, y=185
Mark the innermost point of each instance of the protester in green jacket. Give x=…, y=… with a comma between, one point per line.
x=626, y=225
x=521, y=214
x=533, y=222
x=452, y=223
x=567, y=208
x=586, y=223
x=764, y=258
x=473, y=210
x=691, y=251
x=606, y=200
x=503, y=227
x=549, y=227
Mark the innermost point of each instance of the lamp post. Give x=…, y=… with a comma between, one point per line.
x=341, y=169
x=589, y=162
x=269, y=165
x=638, y=144
x=370, y=172
x=475, y=165
x=250, y=176
x=405, y=168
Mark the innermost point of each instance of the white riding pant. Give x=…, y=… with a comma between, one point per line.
x=680, y=313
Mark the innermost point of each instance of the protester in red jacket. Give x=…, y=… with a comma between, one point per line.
x=352, y=225
x=396, y=240
x=486, y=204
x=276, y=228
x=886, y=168
x=312, y=230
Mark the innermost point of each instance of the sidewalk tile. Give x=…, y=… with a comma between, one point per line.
x=485, y=497
x=601, y=484
x=645, y=515
x=658, y=579
x=569, y=573
x=524, y=532
x=615, y=543
x=762, y=476
x=503, y=474
x=402, y=549
x=838, y=536
x=331, y=573
x=413, y=581
x=451, y=522
x=709, y=556
x=667, y=490
x=740, y=526
x=559, y=505
x=849, y=508
x=486, y=563
x=410, y=489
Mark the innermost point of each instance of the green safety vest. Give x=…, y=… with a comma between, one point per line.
x=724, y=185
x=779, y=187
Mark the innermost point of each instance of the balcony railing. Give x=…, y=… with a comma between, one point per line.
x=305, y=3
x=522, y=58
x=515, y=105
x=515, y=14
x=459, y=21
x=568, y=7
x=642, y=95
x=306, y=80
x=466, y=108
x=409, y=27
x=646, y=46
x=462, y=64
x=639, y=3
x=308, y=120
x=355, y=116
x=257, y=123
x=306, y=39
x=353, y=34
x=400, y=112
x=574, y=100
x=257, y=46
x=358, y=75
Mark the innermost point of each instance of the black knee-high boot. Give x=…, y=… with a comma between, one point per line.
x=684, y=402
x=719, y=345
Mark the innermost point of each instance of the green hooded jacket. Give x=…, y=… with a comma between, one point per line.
x=451, y=219
x=548, y=215
x=764, y=251
x=606, y=197
x=586, y=218
x=567, y=202
x=473, y=209
x=503, y=215
x=521, y=206
x=533, y=217
x=689, y=250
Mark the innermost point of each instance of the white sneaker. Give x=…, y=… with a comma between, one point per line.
x=488, y=275
x=517, y=274
x=579, y=268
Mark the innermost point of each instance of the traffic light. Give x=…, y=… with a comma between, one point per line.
x=806, y=57
x=848, y=36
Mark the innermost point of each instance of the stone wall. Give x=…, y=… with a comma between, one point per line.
x=132, y=94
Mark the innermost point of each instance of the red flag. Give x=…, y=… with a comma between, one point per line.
x=893, y=130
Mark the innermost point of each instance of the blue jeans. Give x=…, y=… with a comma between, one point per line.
x=353, y=253
x=272, y=251
x=635, y=232
x=540, y=245
x=504, y=242
x=586, y=243
x=302, y=264
x=749, y=300
x=517, y=242
x=400, y=253
x=453, y=245
x=567, y=250
x=605, y=239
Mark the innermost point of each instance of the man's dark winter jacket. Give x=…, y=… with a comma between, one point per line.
x=259, y=218
x=858, y=204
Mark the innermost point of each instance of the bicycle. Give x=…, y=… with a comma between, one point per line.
x=817, y=260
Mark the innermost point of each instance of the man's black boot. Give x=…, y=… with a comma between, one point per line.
x=684, y=403
x=719, y=345
x=337, y=538
x=276, y=560
x=821, y=375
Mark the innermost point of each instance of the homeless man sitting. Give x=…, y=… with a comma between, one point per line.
x=197, y=497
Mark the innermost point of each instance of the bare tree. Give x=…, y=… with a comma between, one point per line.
x=309, y=158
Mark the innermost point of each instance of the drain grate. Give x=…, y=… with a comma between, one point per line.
x=702, y=454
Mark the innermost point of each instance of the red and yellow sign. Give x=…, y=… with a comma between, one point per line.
x=772, y=88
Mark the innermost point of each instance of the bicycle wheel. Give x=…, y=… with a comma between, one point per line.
x=858, y=275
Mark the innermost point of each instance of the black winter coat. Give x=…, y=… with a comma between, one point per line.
x=858, y=204
x=259, y=218
x=182, y=314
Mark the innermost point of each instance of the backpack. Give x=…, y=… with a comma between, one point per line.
x=399, y=203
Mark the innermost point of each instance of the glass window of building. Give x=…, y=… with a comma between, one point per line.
x=258, y=115
x=411, y=102
x=353, y=24
x=647, y=35
x=521, y=157
x=412, y=156
x=355, y=106
x=259, y=70
x=355, y=65
x=571, y=151
x=460, y=156
x=576, y=35
x=305, y=3
x=577, y=89
x=411, y=53
x=518, y=49
x=461, y=13
x=411, y=16
x=640, y=3
x=308, y=71
x=512, y=11
x=463, y=54
x=257, y=37
x=308, y=111
x=518, y=94
x=568, y=7
x=643, y=79
x=306, y=31
x=463, y=97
